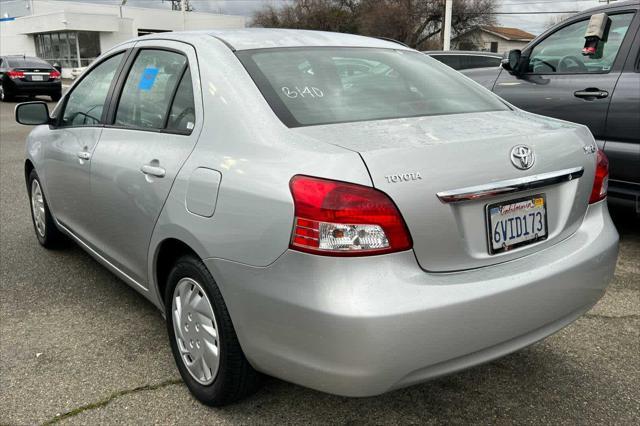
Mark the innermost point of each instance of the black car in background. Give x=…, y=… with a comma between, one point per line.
x=28, y=76
x=551, y=77
x=466, y=59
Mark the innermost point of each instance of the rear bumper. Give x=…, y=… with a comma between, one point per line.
x=30, y=88
x=363, y=326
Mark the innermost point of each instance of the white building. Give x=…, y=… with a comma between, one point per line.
x=73, y=34
x=492, y=39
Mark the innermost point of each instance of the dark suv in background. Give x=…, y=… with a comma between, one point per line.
x=550, y=76
x=28, y=76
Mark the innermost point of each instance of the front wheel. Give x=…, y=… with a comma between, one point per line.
x=203, y=340
x=48, y=234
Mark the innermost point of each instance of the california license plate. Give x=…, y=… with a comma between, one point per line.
x=516, y=223
x=37, y=78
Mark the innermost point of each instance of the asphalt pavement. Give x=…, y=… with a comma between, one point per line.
x=78, y=346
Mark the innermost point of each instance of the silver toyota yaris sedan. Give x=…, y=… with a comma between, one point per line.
x=340, y=212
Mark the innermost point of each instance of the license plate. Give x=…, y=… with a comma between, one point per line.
x=37, y=78
x=516, y=223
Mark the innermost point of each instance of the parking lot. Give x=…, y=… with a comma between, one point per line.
x=78, y=346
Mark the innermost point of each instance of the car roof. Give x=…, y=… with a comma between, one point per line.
x=462, y=52
x=606, y=7
x=265, y=38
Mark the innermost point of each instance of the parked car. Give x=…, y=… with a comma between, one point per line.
x=349, y=233
x=466, y=59
x=553, y=78
x=28, y=76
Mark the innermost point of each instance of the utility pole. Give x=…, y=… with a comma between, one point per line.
x=183, y=7
x=446, y=43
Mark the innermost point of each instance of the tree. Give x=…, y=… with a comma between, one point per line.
x=414, y=22
x=554, y=20
x=177, y=5
x=324, y=15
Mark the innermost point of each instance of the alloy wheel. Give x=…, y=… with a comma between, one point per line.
x=196, y=331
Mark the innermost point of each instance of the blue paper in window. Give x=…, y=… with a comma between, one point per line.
x=148, y=78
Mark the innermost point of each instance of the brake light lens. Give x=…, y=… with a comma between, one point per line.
x=335, y=218
x=601, y=180
x=13, y=74
x=54, y=74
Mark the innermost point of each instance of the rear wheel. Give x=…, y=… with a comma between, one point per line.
x=48, y=234
x=5, y=96
x=203, y=340
x=56, y=97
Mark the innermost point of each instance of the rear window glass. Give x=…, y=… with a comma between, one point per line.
x=27, y=63
x=310, y=86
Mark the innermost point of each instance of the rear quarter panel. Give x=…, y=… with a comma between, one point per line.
x=256, y=156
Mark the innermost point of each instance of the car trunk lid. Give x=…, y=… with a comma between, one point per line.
x=414, y=160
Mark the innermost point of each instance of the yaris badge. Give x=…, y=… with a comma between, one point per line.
x=522, y=157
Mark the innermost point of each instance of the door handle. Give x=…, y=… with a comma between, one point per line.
x=84, y=155
x=591, y=93
x=153, y=170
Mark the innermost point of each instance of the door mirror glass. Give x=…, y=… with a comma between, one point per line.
x=32, y=113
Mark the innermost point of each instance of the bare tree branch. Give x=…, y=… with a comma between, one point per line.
x=414, y=22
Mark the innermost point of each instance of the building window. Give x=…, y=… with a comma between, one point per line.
x=69, y=49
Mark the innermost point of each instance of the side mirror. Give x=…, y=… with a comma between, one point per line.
x=32, y=113
x=512, y=62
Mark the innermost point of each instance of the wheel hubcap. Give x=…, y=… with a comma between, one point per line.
x=196, y=331
x=37, y=206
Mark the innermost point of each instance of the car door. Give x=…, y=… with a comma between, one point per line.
x=67, y=152
x=622, y=144
x=152, y=128
x=559, y=82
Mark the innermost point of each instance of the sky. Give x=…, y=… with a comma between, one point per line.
x=530, y=15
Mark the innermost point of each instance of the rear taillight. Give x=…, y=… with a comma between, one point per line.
x=54, y=74
x=15, y=74
x=601, y=180
x=342, y=219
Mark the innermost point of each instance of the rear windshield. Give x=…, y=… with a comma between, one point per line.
x=27, y=62
x=318, y=85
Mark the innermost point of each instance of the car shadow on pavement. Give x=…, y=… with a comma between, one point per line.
x=550, y=380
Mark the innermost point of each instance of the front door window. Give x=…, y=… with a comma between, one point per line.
x=86, y=102
x=561, y=52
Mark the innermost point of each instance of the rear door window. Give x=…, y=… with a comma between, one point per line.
x=561, y=52
x=149, y=90
x=182, y=114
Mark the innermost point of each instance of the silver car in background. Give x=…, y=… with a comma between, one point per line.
x=337, y=211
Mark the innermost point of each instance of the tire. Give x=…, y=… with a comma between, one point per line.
x=5, y=96
x=48, y=234
x=232, y=378
x=56, y=97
